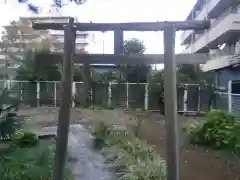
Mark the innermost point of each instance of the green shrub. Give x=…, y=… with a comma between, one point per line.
x=82, y=100
x=9, y=121
x=34, y=163
x=131, y=157
x=99, y=131
x=24, y=138
x=220, y=130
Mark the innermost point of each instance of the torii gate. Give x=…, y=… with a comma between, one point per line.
x=168, y=58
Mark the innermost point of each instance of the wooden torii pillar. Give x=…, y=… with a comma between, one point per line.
x=168, y=58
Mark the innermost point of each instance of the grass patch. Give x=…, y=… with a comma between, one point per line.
x=129, y=156
x=30, y=163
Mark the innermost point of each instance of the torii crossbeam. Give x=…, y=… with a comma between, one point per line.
x=169, y=58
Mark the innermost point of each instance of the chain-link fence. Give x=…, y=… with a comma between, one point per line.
x=235, y=107
x=47, y=93
x=204, y=98
x=136, y=95
x=190, y=97
x=119, y=94
x=193, y=98
x=221, y=102
x=100, y=94
x=181, y=99
x=126, y=95
x=228, y=102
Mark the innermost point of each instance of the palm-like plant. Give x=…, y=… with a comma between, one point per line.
x=9, y=121
x=129, y=156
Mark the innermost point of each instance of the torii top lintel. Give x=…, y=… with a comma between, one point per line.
x=129, y=26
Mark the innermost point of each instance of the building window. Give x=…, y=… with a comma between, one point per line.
x=236, y=87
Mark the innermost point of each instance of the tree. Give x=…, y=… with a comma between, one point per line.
x=190, y=70
x=35, y=9
x=186, y=74
x=17, y=39
x=193, y=74
x=108, y=76
x=134, y=73
x=133, y=46
x=32, y=69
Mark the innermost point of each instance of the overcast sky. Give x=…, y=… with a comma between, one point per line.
x=112, y=11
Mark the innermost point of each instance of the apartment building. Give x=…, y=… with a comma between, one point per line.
x=221, y=41
x=28, y=36
x=225, y=26
x=20, y=37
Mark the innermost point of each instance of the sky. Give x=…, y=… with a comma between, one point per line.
x=112, y=11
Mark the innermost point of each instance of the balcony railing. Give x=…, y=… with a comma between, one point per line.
x=221, y=17
x=218, y=28
x=205, y=10
x=216, y=22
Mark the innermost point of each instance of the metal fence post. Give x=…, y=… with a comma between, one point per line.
x=127, y=88
x=21, y=91
x=55, y=93
x=38, y=94
x=8, y=84
x=91, y=97
x=110, y=94
x=185, y=98
x=229, y=96
x=199, y=98
x=73, y=93
x=146, y=97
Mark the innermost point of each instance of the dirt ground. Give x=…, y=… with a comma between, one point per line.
x=196, y=163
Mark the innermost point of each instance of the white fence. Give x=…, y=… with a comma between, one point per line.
x=228, y=102
x=191, y=98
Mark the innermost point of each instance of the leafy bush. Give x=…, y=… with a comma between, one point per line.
x=24, y=139
x=81, y=101
x=31, y=69
x=9, y=121
x=220, y=130
x=100, y=131
x=138, y=117
x=130, y=157
x=30, y=163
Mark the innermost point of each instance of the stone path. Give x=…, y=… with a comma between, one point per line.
x=89, y=165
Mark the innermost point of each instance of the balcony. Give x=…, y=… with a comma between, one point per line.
x=212, y=10
x=223, y=29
